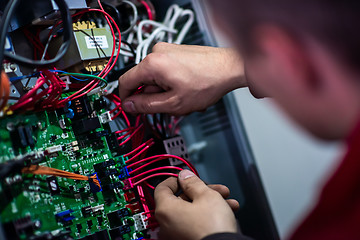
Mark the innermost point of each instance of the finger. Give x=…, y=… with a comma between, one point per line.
x=192, y=186
x=164, y=102
x=166, y=190
x=235, y=206
x=152, y=89
x=146, y=72
x=184, y=197
x=223, y=190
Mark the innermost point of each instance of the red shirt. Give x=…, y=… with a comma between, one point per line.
x=337, y=213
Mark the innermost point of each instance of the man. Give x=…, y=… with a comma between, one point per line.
x=305, y=54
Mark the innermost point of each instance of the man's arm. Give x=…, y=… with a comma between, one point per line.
x=180, y=79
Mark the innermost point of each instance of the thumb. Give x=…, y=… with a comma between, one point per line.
x=192, y=186
x=149, y=103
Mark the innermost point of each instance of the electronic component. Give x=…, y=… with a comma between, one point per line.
x=22, y=137
x=66, y=142
x=80, y=107
x=176, y=146
x=88, y=46
x=65, y=216
x=140, y=221
x=53, y=185
x=53, y=149
x=86, y=125
x=105, y=117
x=115, y=218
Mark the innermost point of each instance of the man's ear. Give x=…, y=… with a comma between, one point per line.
x=287, y=55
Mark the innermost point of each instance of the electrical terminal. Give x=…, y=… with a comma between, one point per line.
x=128, y=184
x=105, y=117
x=141, y=222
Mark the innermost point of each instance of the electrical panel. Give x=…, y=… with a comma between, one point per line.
x=73, y=164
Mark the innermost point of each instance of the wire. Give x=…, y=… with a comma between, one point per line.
x=138, y=148
x=157, y=158
x=156, y=169
x=132, y=50
x=186, y=27
x=140, y=153
x=148, y=9
x=5, y=23
x=42, y=170
x=155, y=175
x=62, y=73
x=67, y=37
x=135, y=17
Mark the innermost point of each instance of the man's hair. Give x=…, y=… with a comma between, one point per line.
x=334, y=23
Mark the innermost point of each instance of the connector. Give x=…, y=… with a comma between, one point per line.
x=65, y=216
x=105, y=117
x=141, y=222
x=176, y=146
x=124, y=173
x=128, y=184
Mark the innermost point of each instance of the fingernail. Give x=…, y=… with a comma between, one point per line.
x=129, y=106
x=186, y=174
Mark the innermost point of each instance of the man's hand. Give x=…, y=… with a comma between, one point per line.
x=181, y=79
x=200, y=211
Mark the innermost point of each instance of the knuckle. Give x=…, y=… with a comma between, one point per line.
x=159, y=46
x=155, y=60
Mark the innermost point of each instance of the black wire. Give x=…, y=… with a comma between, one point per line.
x=162, y=124
x=132, y=50
x=4, y=25
x=67, y=23
x=117, y=17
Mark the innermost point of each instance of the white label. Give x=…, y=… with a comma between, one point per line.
x=96, y=42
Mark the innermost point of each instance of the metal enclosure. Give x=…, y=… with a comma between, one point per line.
x=218, y=143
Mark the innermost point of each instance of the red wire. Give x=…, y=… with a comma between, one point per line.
x=138, y=148
x=157, y=158
x=156, y=169
x=108, y=67
x=155, y=175
x=149, y=186
x=140, y=153
x=125, y=130
x=148, y=9
x=131, y=135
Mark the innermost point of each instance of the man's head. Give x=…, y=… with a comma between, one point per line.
x=303, y=53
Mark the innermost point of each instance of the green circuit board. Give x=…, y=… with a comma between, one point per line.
x=38, y=206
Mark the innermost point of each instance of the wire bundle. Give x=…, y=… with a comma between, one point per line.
x=165, y=31
x=45, y=94
x=142, y=169
x=42, y=170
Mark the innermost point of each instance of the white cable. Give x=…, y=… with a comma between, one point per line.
x=126, y=53
x=172, y=10
x=139, y=52
x=186, y=27
x=144, y=23
x=151, y=39
x=167, y=28
x=133, y=23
